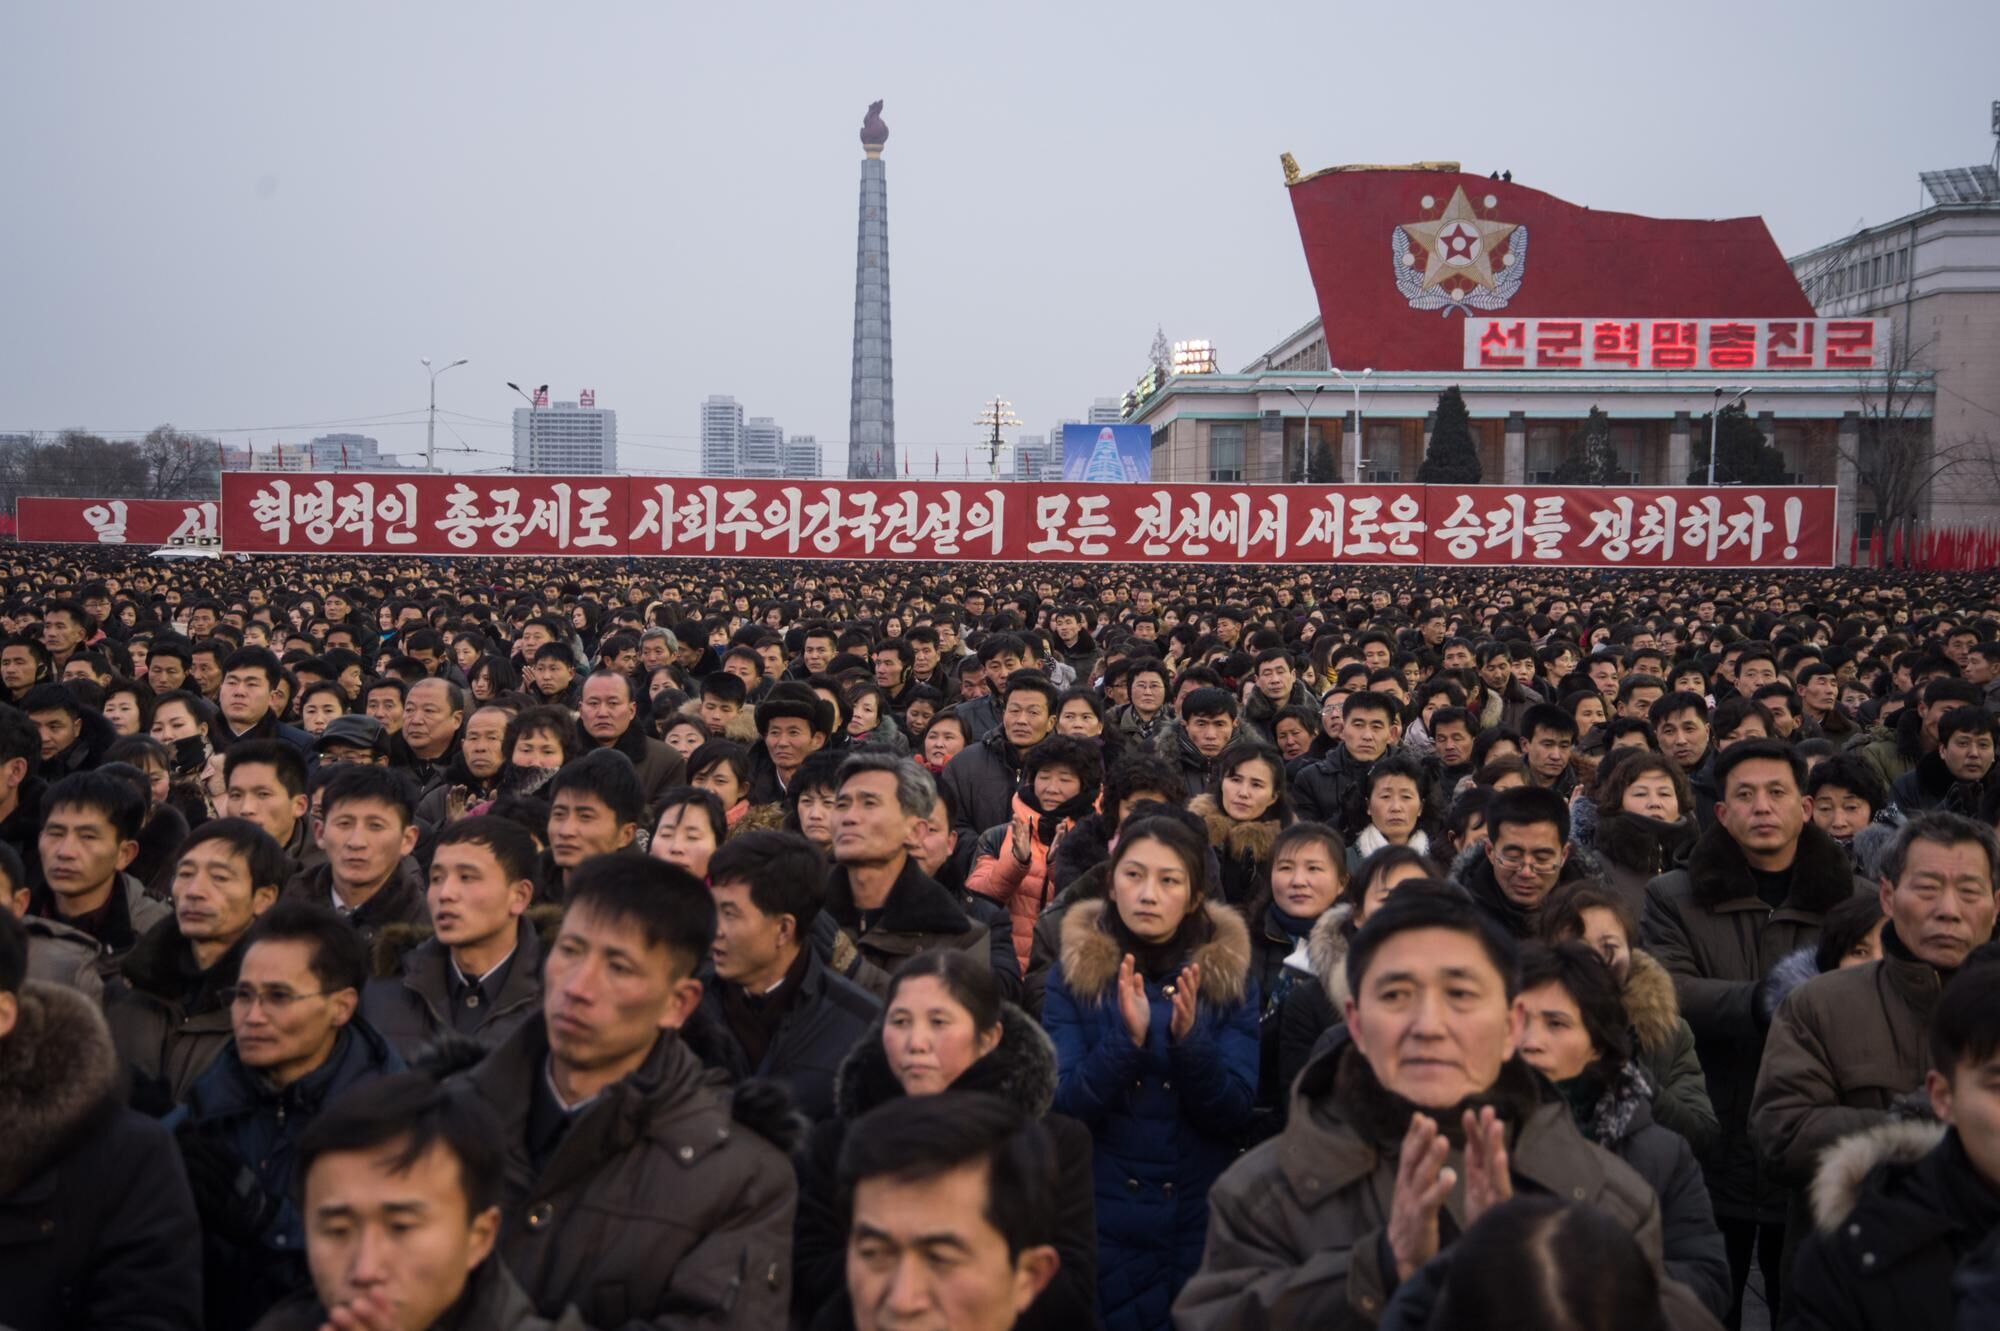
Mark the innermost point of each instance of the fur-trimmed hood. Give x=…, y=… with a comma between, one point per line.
x=1650, y=1003
x=742, y=728
x=1021, y=1070
x=57, y=1068
x=1844, y=1166
x=1792, y=971
x=1236, y=841
x=1090, y=956
x=1326, y=948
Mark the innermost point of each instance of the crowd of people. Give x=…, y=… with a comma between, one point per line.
x=676, y=944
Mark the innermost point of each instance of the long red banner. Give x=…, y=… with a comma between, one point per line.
x=117, y=521
x=1582, y=526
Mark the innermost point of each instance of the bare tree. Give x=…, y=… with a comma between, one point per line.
x=179, y=465
x=1897, y=457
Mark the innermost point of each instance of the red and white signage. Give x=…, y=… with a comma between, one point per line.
x=117, y=521
x=1600, y=527
x=587, y=398
x=1727, y=345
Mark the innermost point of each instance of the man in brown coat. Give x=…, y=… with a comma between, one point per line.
x=1414, y=1121
x=631, y=1190
x=1755, y=890
x=1846, y=1045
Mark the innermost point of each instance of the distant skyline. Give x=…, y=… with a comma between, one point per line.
x=252, y=220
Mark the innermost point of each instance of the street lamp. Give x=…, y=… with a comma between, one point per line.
x=1355, y=384
x=1715, y=426
x=531, y=400
x=1305, y=440
x=431, y=430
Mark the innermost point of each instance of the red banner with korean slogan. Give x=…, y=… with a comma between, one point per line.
x=1580, y=526
x=190, y=522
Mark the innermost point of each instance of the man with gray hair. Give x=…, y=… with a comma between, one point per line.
x=882, y=907
x=1846, y=1045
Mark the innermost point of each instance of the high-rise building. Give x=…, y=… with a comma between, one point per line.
x=1107, y=411
x=802, y=457
x=566, y=439
x=721, y=436
x=871, y=415
x=761, y=453
x=1031, y=455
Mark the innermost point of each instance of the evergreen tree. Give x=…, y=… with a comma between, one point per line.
x=1593, y=458
x=1321, y=469
x=1453, y=457
x=1744, y=457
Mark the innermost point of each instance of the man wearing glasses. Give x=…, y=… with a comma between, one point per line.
x=297, y=1044
x=1527, y=856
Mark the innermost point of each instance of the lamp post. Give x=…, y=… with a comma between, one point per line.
x=531, y=400
x=1715, y=427
x=1355, y=384
x=431, y=429
x=1305, y=439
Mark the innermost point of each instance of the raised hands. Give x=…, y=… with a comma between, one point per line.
x=1422, y=1184
x=1488, y=1181
x=1133, y=1004
x=1018, y=836
x=1186, y=989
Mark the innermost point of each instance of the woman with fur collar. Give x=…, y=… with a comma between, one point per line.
x=945, y=1027
x=1576, y=1034
x=1662, y=1041
x=1154, y=1016
x=1392, y=796
x=1244, y=817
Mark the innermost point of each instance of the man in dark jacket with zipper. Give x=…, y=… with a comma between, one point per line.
x=631, y=1191
x=1755, y=890
x=298, y=1044
x=170, y=1009
x=984, y=776
x=1329, y=791
x=477, y=974
x=100, y=1229
x=880, y=907
x=777, y=1009
x=1905, y=1211
x=367, y=830
x=1957, y=776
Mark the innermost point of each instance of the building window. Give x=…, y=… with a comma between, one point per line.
x=1544, y=453
x=1225, y=453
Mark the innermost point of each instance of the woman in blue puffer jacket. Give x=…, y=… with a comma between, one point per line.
x=1154, y=1016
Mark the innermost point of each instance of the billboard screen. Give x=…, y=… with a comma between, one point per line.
x=630, y=516
x=1107, y=454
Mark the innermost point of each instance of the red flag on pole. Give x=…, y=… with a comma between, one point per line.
x=1896, y=548
x=1853, y=547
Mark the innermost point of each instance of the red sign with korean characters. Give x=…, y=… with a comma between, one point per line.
x=1727, y=345
x=190, y=522
x=1466, y=526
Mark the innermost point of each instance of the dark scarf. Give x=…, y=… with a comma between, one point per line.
x=1382, y=1117
x=1046, y=824
x=1645, y=845
x=1160, y=962
x=1293, y=926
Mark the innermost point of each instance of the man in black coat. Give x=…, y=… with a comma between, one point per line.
x=983, y=776
x=100, y=1230
x=1330, y=791
x=774, y=1006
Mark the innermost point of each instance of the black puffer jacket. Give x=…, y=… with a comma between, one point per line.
x=826, y=1019
x=1021, y=1070
x=1329, y=791
x=1621, y=1121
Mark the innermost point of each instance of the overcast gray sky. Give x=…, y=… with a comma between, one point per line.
x=246, y=216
